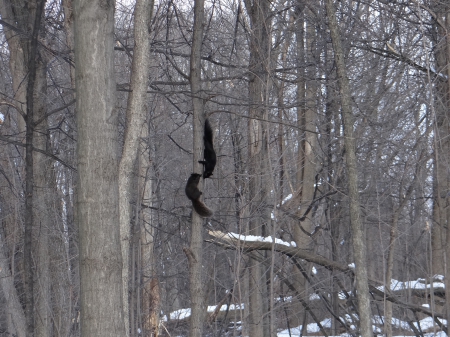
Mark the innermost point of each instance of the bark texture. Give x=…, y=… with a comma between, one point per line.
x=136, y=117
x=195, y=252
x=258, y=170
x=359, y=247
x=97, y=154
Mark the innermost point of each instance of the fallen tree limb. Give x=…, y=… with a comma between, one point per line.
x=235, y=241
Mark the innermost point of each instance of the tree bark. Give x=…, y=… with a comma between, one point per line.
x=258, y=12
x=195, y=254
x=43, y=209
x=17, y=52
x=306, y=154
x=32, y=65
x=97, y=154
x=136, y=117
x=23, y=61
x=13, y=306
x=151, y=300
x=359, y=252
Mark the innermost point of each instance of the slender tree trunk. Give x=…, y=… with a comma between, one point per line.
x=333, y=178
x=151, y=303
x=195, y=254
x=306, y=171
x=283, y=176
x=258, y=319
x=43, y=219
x=23, y=50
x=359, y=252
x=13, y=306
x=97, y=154
x=136, y=116
x=71, y=322
x=444, y=181
x=29, y=267
x=440, y=230
x=17, y=54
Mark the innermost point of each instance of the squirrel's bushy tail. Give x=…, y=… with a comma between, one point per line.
x=193, y=193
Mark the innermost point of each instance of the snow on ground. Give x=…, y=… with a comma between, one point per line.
x=417, y=284
x=185, y=313
x=426, y=323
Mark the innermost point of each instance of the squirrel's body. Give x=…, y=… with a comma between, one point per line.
x=209, y=154
x=193, y=193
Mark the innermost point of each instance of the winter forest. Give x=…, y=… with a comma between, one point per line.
x=330, y=122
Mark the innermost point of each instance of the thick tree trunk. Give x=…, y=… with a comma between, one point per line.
x=136, y=117
x=195, y=254
x=359, y=247
x=97, y=154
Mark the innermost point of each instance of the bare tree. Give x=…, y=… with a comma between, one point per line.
x=441, y=183
x=33, y=83
x=258, y=170
x=98, y=190
x=195, y=251
x=359, y=252
x=135, y=117
x=265, y=74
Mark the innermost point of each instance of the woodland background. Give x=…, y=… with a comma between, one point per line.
x=331, y=126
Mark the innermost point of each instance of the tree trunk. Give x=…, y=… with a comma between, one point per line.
x=32, y=65
x=258, y=319
x=17, y=54
x=136, y=116
x=359, y=252
x=97, y=154
x=43, y=210
x=441, y=181
x=306, y=153
x=24, y=61
x=195, y=253
x=13, y=306
x=151, y=301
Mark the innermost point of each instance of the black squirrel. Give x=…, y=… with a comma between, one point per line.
x=209, y=154
x=193, y=193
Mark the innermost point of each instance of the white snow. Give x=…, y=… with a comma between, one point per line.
x=254, y=238
x=417, y=284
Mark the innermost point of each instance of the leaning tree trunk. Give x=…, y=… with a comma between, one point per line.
x=195, y=252
x=97, y=154
x=359, y=252
x=136, y=117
